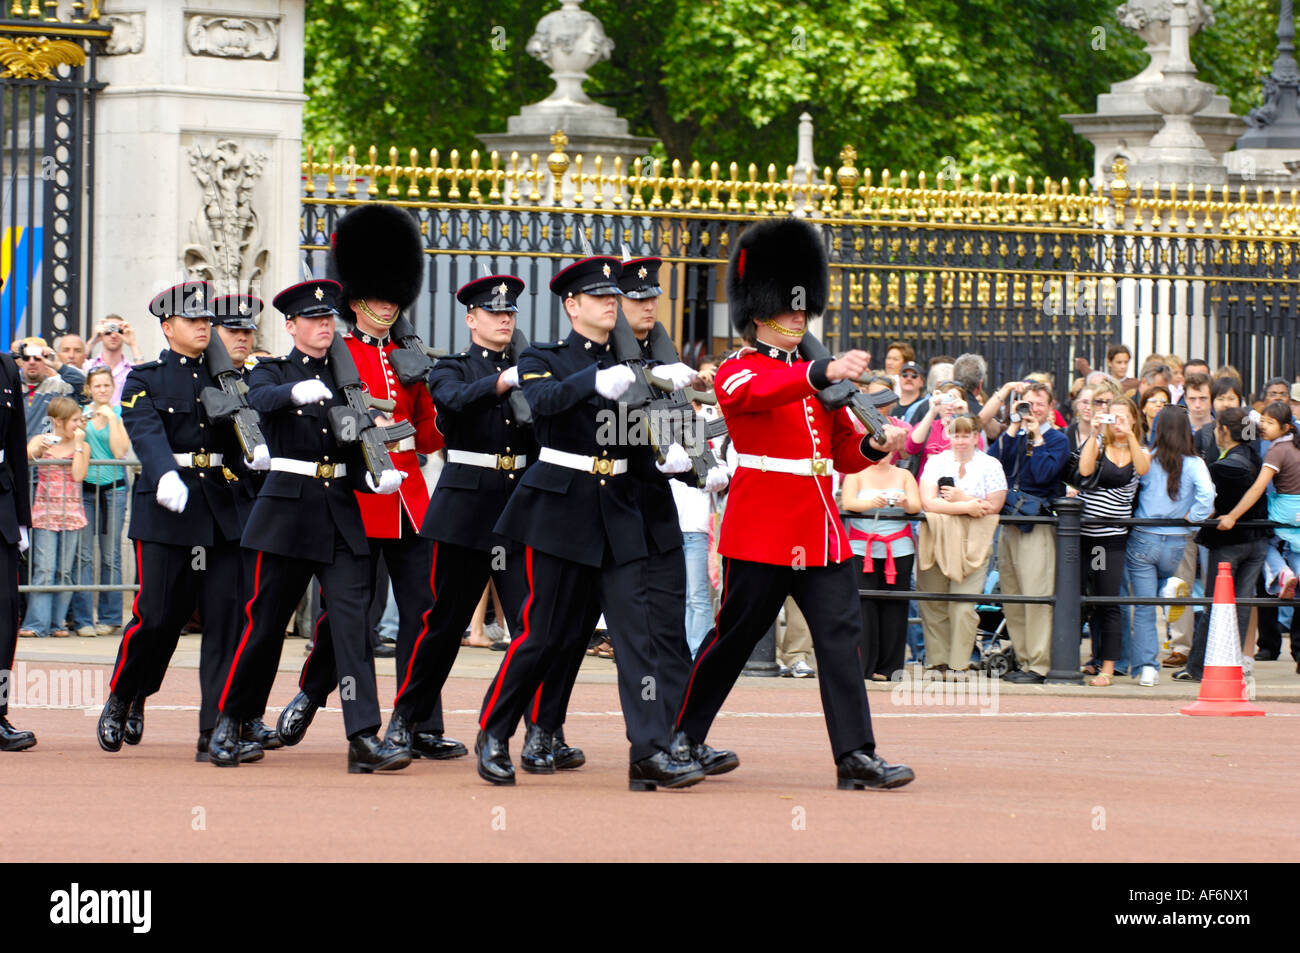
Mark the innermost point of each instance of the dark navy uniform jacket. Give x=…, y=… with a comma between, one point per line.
x=579, y=516
x=468, y=500
x=15, y=498
x=163, y=416
x=247, y=482
x=299, y=515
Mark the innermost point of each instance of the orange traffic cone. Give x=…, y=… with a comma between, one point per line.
x=1223, y=689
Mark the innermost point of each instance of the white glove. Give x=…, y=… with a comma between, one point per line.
x=677, y=460
x=23, y=540
x=389, y=481
x=679, y=375
x=511, y=376
x=613, y=382
x=172, y=492
x=261, y=458
x=717, y=479
x=308, y=392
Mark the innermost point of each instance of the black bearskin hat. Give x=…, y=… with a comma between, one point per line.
x=770, y=264
x=376, y=252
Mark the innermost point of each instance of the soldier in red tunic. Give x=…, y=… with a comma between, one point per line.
x=378, y=256
x=781, y=533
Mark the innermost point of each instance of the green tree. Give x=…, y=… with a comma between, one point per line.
x=977, y=84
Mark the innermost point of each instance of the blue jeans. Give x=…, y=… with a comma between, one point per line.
x=109, y=567
x=53, y=555
x=1150, y=559
x=699, y=599
x=388, y=621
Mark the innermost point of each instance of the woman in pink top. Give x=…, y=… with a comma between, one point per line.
x=947, y=401
x=57, y=516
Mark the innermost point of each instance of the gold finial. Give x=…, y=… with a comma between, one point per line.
x=308, y=173
x=1119, y=187
x=847, y=176
x=558, y=163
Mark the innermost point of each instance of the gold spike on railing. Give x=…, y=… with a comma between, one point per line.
x=558, y=163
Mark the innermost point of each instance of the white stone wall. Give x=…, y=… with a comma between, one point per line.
x=224, y=78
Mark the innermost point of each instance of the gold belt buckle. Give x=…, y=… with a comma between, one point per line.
x=200, y=460
x=820, y=467
x=603, y=467
x=325, y=471
x=505, y=461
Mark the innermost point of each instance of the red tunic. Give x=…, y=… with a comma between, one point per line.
x=381, y=513
x=771, y=409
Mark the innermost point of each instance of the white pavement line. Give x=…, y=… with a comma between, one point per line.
x=92, y=709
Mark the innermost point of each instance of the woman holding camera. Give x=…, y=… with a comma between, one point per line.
x=57, y=516
x=104, y=496
x=883, y=552
x=1111, y=465
x=962, y=491
x=926, y=440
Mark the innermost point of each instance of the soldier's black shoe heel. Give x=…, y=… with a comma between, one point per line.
x=494, y=759
x=255, y=730
x=11, y=739
x=536, y=755
x=434, y=747
x=858, y=770
x=662, y=770
x=367, y=754
x=223, y=749
x=712, y=760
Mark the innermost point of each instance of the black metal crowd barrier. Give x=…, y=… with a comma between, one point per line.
x=1067, y=614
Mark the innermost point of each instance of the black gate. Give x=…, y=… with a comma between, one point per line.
x=47, y=125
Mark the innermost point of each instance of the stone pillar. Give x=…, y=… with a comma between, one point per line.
x=1269, y=152
x=198, y=155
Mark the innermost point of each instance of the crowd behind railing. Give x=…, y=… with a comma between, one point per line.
x=1176, y=445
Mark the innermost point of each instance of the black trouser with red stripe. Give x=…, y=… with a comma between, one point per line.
x=665, y=583
x=173, y=581
x=752, y=594
x=555, y=609
x=9, y=560
x=410, y=563
x=278, y=584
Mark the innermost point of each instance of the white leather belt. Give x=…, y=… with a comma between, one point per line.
x=576, y=461
x=489, y=461
x=2, y=456
x=198, y=460
x=803, y=467
x=406, y=443
x=324, y=471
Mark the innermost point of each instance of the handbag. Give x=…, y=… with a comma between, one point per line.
x=1020, y=503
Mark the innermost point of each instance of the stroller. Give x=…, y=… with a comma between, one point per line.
x=996, y=655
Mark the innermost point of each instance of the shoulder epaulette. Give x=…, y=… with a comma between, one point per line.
x=146, y=366
x=454, y=357
x=273, y=360
x=548, y=345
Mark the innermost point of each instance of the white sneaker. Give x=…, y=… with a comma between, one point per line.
x=1150, y=676
x=802, y=669
x=1175, y=588
x=87, y=632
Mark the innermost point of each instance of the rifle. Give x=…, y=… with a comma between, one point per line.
x=414, y=361
x=229, y=403
x=353, y=423
x=684, y=425
x=844, y=394
x=518, y=402
x=638, y=398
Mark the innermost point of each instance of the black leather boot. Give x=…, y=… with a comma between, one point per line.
x=399, y=731
x=664, y=771
x=860, y=769
x=367, y=754
x=536, y=756
x=494, y=759
x=111, y=725
x=11, y=739
x=295, y=718
x=565, y=755
x=133, y=728
x=223, y=749
x=255, y=730
x=433, y=746
x=710, y=759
